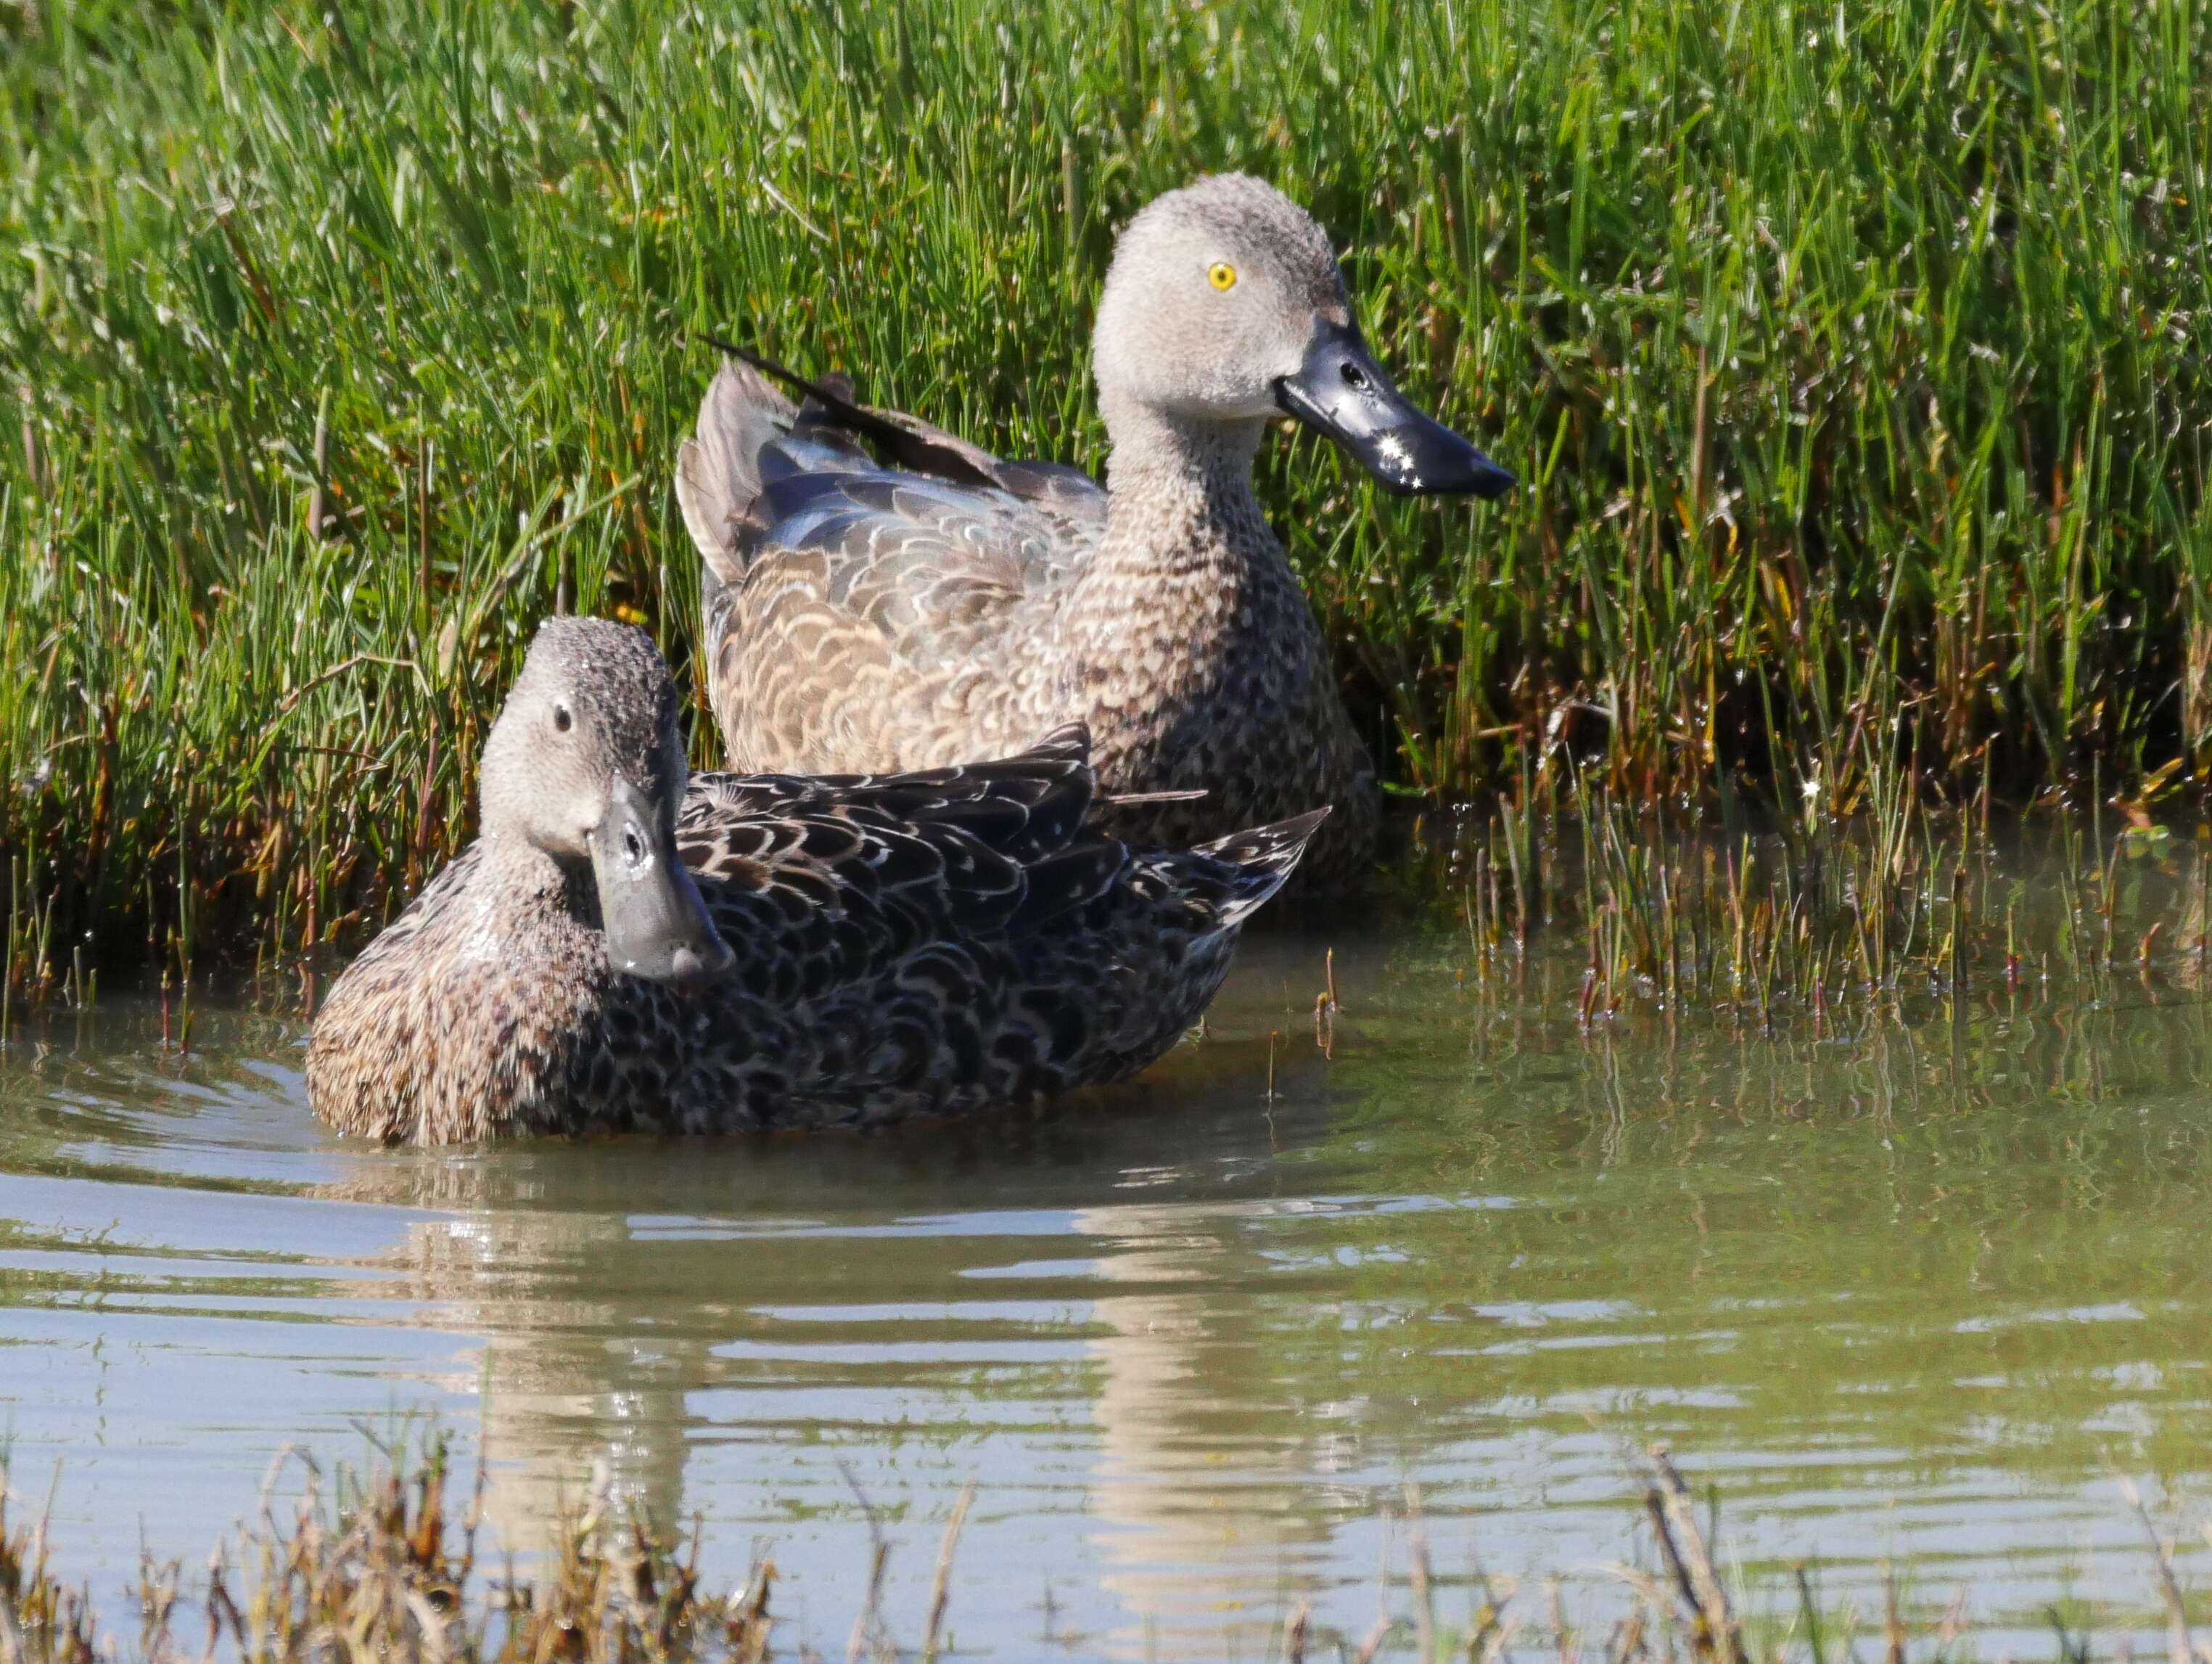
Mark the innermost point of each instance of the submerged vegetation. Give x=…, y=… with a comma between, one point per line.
x=1831, y=924
x=1854, y=361
x=379, y=1565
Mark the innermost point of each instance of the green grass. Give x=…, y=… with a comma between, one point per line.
x=1855, y=359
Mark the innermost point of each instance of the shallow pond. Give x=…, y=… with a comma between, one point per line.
x=1912, y=1295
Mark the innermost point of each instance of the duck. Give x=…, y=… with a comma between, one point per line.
x=878, y=593
x=628, y=946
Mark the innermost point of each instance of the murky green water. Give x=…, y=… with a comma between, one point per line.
x=1917, y=1296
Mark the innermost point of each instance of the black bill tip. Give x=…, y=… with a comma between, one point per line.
x=1340, y=391
x=1423, y=458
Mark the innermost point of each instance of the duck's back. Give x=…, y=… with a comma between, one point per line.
x=865, y=615
x=932, y=943
x=910, y=945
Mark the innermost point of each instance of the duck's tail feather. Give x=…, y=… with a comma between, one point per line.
x=1068, y=743
x=1265, y=857
x=1129, y=800
x=718, y=471
x=906, y=442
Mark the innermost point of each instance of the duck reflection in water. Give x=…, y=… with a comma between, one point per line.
x=781, y=1329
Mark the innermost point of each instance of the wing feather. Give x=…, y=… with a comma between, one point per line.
x=860, y=561
x=823, y=882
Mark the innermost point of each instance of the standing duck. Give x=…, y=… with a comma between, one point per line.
x=626, y=947
x=943, y=603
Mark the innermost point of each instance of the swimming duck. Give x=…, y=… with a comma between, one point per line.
x=943, y=603
x=625, y=946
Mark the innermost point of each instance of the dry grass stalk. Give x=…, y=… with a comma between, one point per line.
x=941, y=1582
x=372, y=1568
x=2180, y=1646
x=375, y=1570
x=1714, y=1630
x=1424, y=1603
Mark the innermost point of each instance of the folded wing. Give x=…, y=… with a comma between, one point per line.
x=837, y=584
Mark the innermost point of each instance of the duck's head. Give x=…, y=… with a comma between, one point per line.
x=1224, y=303
x=585, y=764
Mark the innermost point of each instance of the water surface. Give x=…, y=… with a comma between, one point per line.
x=1912, y=1296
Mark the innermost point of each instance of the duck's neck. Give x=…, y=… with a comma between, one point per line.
x=529, y=884
x=527, y=920
x=1173, y=586
x=1153, y=444
x=458, y=1022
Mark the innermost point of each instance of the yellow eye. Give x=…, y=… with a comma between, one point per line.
x=1222, y=275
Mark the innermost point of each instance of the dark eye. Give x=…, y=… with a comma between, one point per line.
x=561, y=718
x=633, y=847
x=1355, y=377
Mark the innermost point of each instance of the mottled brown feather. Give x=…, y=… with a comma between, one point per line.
x=920, y=944
x=943, y=603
